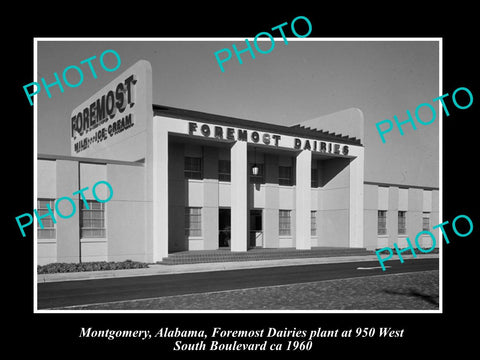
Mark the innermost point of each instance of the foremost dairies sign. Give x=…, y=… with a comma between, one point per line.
x=105, y=117
x=113, y=114
x=265, y=138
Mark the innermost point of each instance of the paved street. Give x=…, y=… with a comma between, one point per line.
x=406, y=291
x=69, y=293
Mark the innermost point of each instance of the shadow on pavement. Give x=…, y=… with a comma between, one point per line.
x=432, y=299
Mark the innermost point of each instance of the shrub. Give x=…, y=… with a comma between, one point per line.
x=89, y=266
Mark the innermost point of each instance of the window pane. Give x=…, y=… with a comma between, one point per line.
x=48, y=231
x=382, y=222
x=94, y=205
x=93, y=233
x=402, y=222
x=285, y=175
x=42, y=203
x=313, y=223
x=284, y=222
x=193, y=221
x=47, y=222
x=426, y=221
x=92, y=221
x=224, y=170
x=193, y=168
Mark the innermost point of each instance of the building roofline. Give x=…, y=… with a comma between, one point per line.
x=254, y=125
x=89, y=160
x=401, y=185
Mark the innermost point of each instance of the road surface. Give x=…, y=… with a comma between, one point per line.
x=69, y=293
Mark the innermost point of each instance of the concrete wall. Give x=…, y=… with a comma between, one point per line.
x=205, y=193
x=415, y=201
x=46, y=189
x=371, y=207
x=68, y=230
x=272, y=203
x=331, y=200
x=209, y=193
x=124, y=212
x=333, y=203
x=414, y=213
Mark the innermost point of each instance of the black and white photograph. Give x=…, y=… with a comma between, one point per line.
x=234, y=189
x=271, y=191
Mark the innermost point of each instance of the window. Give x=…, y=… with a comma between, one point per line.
x=382, y=222
x=426, y=221
x=284, y=222
x=313, y=223
x=193, y=221
x=92, y=220
x=314, y=178
x=224, y=170
x=402, y=224
x=285, y=175
x=259, y=178
x=48, y=231
x=193, y=168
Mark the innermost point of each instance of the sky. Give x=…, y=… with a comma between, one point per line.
x=295, y=82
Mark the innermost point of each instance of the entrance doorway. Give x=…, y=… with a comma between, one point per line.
x=224, y=223
x=256, y=230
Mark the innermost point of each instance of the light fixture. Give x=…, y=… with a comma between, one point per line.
x=255, y=166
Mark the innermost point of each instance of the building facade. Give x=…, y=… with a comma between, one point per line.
x=186, y=180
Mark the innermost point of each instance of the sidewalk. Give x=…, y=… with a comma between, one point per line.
x=159, y=269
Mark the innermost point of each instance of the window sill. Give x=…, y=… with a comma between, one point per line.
x=286, y=186
x=93, y=240
x=46, y=241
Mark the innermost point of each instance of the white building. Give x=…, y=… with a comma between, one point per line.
x=185, y=180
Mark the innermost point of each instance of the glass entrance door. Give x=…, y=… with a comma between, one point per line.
x=224, y=223
x=256, y=230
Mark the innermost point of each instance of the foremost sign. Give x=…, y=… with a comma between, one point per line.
x=113, y=114
x=259, y=137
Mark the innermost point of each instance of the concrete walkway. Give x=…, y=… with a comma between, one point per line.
x=158, y=269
